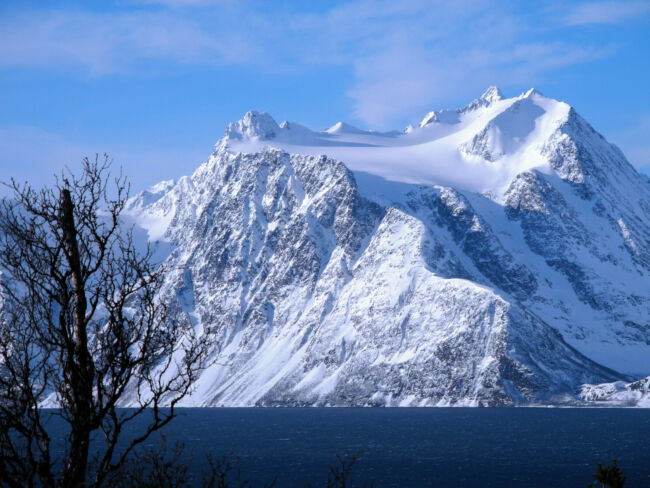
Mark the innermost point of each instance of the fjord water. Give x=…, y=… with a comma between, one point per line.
x=432, y=447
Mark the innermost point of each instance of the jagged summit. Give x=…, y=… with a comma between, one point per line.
x=492, y=94
x=253, y=125
x=478, y=148
x=482, y=147
x=531, y=92
x=441, y=116
x=161, y=187
x=260, y=126
x=150, y=195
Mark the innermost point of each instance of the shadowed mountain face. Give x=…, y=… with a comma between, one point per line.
x=498, y=254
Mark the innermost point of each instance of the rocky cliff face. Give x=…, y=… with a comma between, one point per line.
x=323, y=280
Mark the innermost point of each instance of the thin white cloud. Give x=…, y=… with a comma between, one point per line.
x=105, y=43
x=405, y=56
x=606, y=12
x=398, y=81
x=419, y=57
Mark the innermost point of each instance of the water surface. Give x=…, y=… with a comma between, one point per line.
x=438, y=447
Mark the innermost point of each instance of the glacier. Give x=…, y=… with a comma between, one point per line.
x=493, y=255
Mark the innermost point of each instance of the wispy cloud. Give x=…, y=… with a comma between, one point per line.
x=106, y=43
x=403, y=55
x=606, y=12
x=420, y=54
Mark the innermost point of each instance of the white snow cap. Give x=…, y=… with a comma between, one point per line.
x=163, y=186
x=342, y=127
x=480, y=147
x=492, y=94
x=254, y=125
x=531, y=92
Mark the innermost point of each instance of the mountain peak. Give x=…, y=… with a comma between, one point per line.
x=342, y=127
x=428, y=118
x=441, y=116
x=253, y=125
x=492, y=94
x=162, y=186
x=149, y=196
x=531, y=92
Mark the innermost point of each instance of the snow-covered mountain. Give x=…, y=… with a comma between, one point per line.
x=497, y=254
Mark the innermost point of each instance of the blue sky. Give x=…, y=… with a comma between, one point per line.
x=154, y=82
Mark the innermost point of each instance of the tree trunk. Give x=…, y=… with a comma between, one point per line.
x=80, y=362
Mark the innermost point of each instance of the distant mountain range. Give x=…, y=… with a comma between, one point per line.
x=497, y=254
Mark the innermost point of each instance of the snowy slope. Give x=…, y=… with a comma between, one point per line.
x=496, y=254
x=618, y=394
x=456, y=148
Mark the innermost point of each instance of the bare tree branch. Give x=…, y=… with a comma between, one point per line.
x=82, y=327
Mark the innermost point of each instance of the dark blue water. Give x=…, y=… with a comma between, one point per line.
x=424, y=447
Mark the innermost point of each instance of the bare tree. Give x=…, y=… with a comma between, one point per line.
x=82, y=328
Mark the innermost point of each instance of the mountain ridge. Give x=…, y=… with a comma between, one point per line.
x=362, y=280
